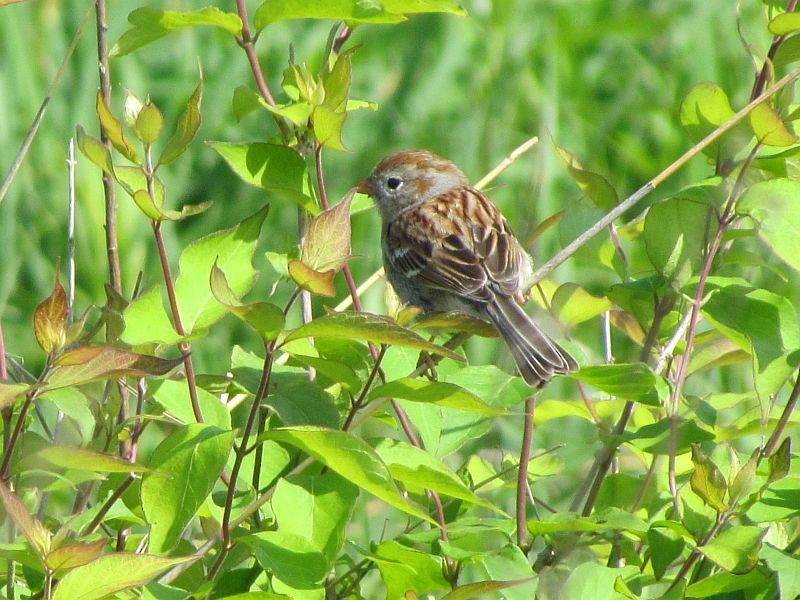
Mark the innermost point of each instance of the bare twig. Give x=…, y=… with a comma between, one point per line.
x=522, y=473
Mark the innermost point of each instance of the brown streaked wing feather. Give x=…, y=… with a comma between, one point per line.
x=467, y=253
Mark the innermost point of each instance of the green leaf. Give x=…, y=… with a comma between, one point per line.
x=786, y=567
x=317, y=407
x=188, y=124
x=38, y=537
x=92, y=363
x=717, y=584
x=434, y=392
x=676, y=233
x=87, y=460
x=113, y=573
x=634, y=381
x=232, y=250
x=151, y=24
x=780, y=461
x=479, y=589
x=707, y=481
x=11, y=391
x=75, y=555
x=272, y=11
x=668, y=436
x=769, y=128
x=594, y=186
x=265, y=318
x=742, y=482
x=351, y=458
x=572, y=304
x=735, y=549
x=785, y=23
x=245, y=101
x=95, y=151
x=417, y=471
x=113, y=130
x=326, y=244
x=328, y=125
x=173, y=396
x=773, y=205
x=149, y=123
x=368, y=328
x=762, y=323
x=788, y=52
x=591, y=580
x=705, y=108
x=186, y=466
x=319, y=283
x=665, y=546
x=510, y=563
x=289, y=557
x=146, y=321
x=316, y=508
x=405, y=570
x=278, y=169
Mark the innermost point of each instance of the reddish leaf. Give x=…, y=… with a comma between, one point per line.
x=50, y=319
x=38, y=537
x=74, y=555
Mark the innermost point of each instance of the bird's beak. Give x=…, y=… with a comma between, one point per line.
x=366, y=187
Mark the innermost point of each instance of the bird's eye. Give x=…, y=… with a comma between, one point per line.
x=394, y=183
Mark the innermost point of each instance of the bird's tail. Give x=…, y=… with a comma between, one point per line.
x=538, y=358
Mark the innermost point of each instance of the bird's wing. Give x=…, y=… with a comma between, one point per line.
x=475, y=257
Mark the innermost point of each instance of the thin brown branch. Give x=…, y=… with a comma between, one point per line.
x=184, y=347
x=522, y=473
x=775, y=438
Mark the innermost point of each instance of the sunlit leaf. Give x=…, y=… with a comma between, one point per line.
x=265, y=318
x=780, y=461
x=368, y=328
x=187, y=464
x=417, y=471
x=50, y=318
x=351, y=458
x=75, y=555
x=676, y=233
x=113, y=573
x=434, y=392
x=705, y=108
x=773, y=205
x=33, y=530
x=634, y=381
x=188, y=124
x=11, y=391
x=88, y=460
x=735, y=549
x=316, y=282
x=91, y=363
x=278, y=169
x=150, y=24
x=94, y=150
x=113, y=130
x=149, y=123
x=326, y=244
x=595, y=186
x=769, y=128
x=707, y=481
